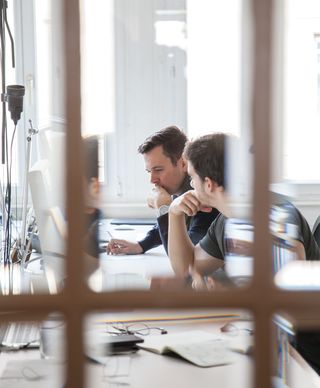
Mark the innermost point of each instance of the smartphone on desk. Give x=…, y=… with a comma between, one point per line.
x=123, y=343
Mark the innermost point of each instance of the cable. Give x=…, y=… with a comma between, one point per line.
x=3, y=81
x=138, y=328
x=8, y=196
x=6, y=223
x=10, y=35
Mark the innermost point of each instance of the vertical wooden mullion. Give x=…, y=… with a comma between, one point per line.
x=261, y=115
x=74, y=264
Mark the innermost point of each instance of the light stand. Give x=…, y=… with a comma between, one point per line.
x=14, y=97
x=24, y=247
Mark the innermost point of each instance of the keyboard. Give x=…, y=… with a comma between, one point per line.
x=133, y=221
x=17, y=335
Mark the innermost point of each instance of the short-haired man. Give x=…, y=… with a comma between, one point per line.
x=162, y=153
x=206, y=161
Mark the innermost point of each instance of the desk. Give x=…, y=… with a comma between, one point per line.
x=152, y=370
x=146, y=369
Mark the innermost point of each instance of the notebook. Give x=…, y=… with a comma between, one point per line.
x=198, y=347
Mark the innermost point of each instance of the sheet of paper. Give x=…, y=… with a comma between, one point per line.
x=213, y=352
x=158, y=342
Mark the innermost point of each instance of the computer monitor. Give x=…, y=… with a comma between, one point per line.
x=47, y=185
x=49, y=218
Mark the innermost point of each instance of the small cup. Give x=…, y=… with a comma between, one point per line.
x=52, y=335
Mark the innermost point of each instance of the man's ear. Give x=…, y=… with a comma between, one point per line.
x=210, y=184
x=184, y=164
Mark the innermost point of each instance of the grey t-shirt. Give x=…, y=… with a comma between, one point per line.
x=214, y=242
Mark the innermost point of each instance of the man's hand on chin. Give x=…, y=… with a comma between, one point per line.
x=187, y=203
x=158, y=197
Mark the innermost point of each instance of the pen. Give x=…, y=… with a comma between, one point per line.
x=115, y=245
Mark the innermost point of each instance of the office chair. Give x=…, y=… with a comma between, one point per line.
x=316, y=230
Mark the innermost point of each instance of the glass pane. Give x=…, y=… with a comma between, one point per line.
x=46, y=219
x=301, y=98
x=35, y=238
x=130, y=348
x=297, y=338
x=144, y=74
x=295, y=177
x=32, y=351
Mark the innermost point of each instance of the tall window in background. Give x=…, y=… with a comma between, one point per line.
x=98, y=83
x=301, y=69
x=98, y=73
x=214, y=66
x=155, y=64
x=44, y=68
x=218, y=83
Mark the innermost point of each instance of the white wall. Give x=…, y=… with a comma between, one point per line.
x=150, y=92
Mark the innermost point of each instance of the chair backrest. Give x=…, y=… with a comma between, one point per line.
x=316, y=231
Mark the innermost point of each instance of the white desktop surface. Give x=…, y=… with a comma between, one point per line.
x=129, y=271
x=152, y=370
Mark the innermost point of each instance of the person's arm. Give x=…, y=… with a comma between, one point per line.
x=123, y=247
x=151, y=240
x=204, y=263
x=180, y=247
x=163, y=227
x=182, y=253
x=199, y=224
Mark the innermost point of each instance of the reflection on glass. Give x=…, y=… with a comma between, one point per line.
x=297, y=348
x=239, y=243
x=284, y=236
x=287, y=228
x=296, y=250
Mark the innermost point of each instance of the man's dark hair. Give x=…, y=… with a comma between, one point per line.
x=91, y=157
x=207, y=156
x=172, y=140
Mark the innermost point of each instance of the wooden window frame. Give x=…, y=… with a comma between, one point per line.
x=262, y=298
